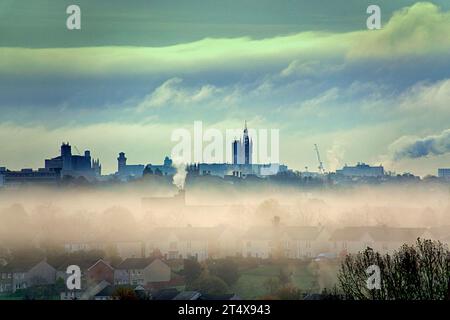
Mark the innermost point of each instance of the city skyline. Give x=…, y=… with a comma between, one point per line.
x=314, y=72
x=240, y=156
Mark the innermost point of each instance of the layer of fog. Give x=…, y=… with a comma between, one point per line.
x=39, y=215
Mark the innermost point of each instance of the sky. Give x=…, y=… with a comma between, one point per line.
x=138, y=70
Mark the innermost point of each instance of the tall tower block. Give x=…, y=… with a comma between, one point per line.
x=121, y=162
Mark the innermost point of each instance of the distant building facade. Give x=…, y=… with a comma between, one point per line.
x=444, y=173
x=238, y=170
x=127, y=171
x=166, y=169
x=27, y=176
x=361, y=170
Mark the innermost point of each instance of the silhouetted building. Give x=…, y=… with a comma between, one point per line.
x=97, y=167
x=28, y=176
x=166, y=169
x=126, y=171
x=68, y=164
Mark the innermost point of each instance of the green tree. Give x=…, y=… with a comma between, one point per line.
x=284, y=277
x=272, y=285
x=226, y=269
x=192, y=270
x=208, y=284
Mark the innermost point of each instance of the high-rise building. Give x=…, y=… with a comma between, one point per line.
x=242, y=149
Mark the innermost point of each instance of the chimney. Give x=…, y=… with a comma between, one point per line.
x=276, y=221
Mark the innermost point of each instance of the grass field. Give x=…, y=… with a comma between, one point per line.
x=251, y=282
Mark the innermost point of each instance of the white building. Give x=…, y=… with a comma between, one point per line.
x=381, y=239
x=289, y=242
x=199, y=243
x=361, y=170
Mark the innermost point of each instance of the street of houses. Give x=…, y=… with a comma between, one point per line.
x=145, y=273
x=274, y=241
x=145, y=265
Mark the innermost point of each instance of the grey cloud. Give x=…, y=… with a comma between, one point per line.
x=433, y=145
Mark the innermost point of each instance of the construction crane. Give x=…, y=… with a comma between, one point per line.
x=77, y=150
x=321, y=168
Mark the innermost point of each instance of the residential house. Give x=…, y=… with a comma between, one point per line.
x=188, y=295
x=93, y=290
x=84, y=264
x=165, y=294
x=227, y=244
x=281, y=241
x=142, y=271
x=307, y=242
x=41, y=274
x=71, y=295
x=83, y=243
x=221, y=297
x=106, y=293
x=184, y=243
x=109, y=292
x=380, y=238
x=23, y=274
x=100, y=271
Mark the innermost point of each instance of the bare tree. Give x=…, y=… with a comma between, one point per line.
x=417, y=272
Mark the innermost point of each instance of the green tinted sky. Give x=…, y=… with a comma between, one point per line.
x=41, y=23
